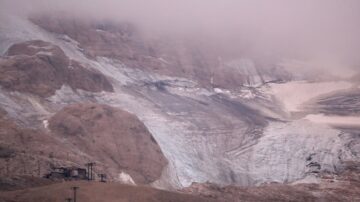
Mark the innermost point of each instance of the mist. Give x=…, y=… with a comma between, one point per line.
x=323, y=31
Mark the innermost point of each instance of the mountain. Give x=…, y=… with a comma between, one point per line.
x=164, y=112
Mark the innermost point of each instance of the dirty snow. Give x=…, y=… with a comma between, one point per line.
x=293, y=94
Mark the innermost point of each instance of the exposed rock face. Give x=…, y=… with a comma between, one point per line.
x=113, y=137
x=116, y=140
x=24, y=151
x=183, y=58
x=41, y=68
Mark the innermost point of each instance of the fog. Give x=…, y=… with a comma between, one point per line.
x=324, y=31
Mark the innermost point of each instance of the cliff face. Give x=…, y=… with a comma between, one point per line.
x=117, y=139
x=41, y=68
x=227, y=121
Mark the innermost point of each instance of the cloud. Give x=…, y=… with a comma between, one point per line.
x=319, y=30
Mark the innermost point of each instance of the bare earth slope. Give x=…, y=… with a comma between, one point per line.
x=96, y=192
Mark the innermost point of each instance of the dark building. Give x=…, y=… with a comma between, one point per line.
x=67, y=173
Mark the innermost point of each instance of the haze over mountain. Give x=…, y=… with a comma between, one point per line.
x=324, y=31
x=227, y=101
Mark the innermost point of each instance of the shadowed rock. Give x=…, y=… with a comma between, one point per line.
x=41, y=68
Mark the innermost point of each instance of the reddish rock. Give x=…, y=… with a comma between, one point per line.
x=116, y=140
x=24, y=151
x=41, y=68
x=111, y=136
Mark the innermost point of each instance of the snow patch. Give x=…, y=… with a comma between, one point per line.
x=40, y=47
x=44, y=53
x=247, y=94
x=126, y=178
x=163, y=60
x=46, y=123
x=223, y=91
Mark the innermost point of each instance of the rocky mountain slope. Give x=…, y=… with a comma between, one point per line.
x=113, y=137
x=207, y=117
x=41, y=68
x=168, y=56
x=116, y=140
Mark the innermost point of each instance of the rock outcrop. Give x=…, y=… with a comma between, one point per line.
x=41, y=68
x=113, y=137
x=116, y=140
x=25, y=151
